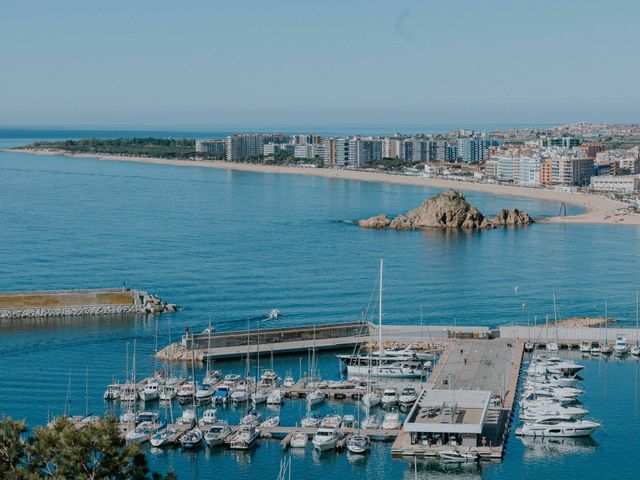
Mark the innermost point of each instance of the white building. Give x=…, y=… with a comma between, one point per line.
x=619, y=184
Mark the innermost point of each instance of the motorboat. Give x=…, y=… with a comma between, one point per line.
x=532, y=396
x=212, y=377
x=151, y=417
x=163, y=437
x=349, y=421
x=325, y=439
x=371, y=422
x=204, y=393
x=113, y=392
x=299, y=439
x=150, y=391
x=209, y=416
x=635, y=350
x=391, y=421
x=269, y=378
x=595, y=348
x=167, y=392
x=315, y=398
x=457, y=456
x=240, y=394
x=276, y=397
x=128, y=393
x=217, y=434
x=271, y=422
x=606, y=349
x=392, y=367
x=191, y=438
x=186, y=393
x=389, y=397
x=142, y=432
x=245, y=438
x=537, y=413
x=258, y=397
x=188, y=418
x=372, y=399
x=231, y=379
x=358, y=444
x=252, y=418
x=559, y=426
x=311, y=421
x=331, y=421
x=408, y=396
x=621, y=346
x=288, y=381
x=129, y=417
x=222, y=394
x=552, y=379
x=274, y=314
x=585, y=347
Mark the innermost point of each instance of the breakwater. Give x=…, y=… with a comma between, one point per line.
x=61, y=303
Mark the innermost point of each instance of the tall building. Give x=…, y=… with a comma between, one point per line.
x=366, y=150
x=242, y=147
x=563, y=142
x=474, y=149
x=343, y=152
x=329, y=145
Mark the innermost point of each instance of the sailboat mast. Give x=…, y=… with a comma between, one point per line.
x=380, y=347
x=637, y=315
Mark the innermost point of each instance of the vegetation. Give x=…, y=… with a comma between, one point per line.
x=183, y=148
x=63, y=451
x=393, y=164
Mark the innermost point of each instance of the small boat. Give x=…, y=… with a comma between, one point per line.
x=311, y=421
x=298, y=440
x=209, y=417
x=269, y=378
x=585, y=347
x=274, y=314
x=288, y=381
x=456, y=456
x=186, y=392
x=371, y=422
x=538, y=413
x=128, y=393
x=331, y=421
x=408, y=396
x=217, y=434
x=252, y=418
x=635, y=351
x=240, y=394
x=204, y=393
x=113, y=392
x=372, y=399
x=389, y=397
x=595, y=348
x=142, y=432
x=271, y=422
x=349, y=421
x=560, y=426
x=325, y=439
x=259, y=397
x=621, y=346
x=231, y=379
x=222, y=394
x=315, y=398
x=358, y=444
x=191, y=438
x=166, y=392
x=163, y=437
x=275, y=397
x=150, y=392
x=391, y=421
x=212, y=377
x=606, y=349
x=245, y=438
x=188, y=417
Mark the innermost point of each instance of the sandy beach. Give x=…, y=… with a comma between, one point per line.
x=598, y=209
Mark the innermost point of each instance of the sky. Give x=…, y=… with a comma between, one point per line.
x=217, y=62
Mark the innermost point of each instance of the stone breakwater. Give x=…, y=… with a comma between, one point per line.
x=449, y=209
x=81, y=303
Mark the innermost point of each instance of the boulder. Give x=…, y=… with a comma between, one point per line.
x=379, y=221
x=512, y=217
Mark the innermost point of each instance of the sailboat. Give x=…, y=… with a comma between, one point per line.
x=192, y=438
x=211, y=377
x=382, y=363
x=606, y=349
x=358, y=443
x=635, y=350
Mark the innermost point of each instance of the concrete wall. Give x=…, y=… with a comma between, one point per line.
x=28, y=300
x=567, y=334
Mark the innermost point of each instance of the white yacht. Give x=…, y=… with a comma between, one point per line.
x=391, y=421
x=245, y=438
x=259, y=396
x=252, y=418
x=299, y=440
x=163, y=437
x=142, y=432
x=191, y=438
x=166, y=392
x=325, y=439
x=457, y=456
x=408, y=396
x=372, y=399
x=585, y=347
x=595, y=348
x=288, y=381
x=188, y=417
x=311, y=421
x=537, y=413
x=150, y=391
x=560, y=426
x=358, y=444
x=217, y=434
x=371, y=422
x=276, y=397
x=113, y=392
x=315, y=398
x=635, y=350
x=209, y=417
x=389, y=397
x=240, y=394
x=271, y=422
x=204, y=393
x=211, y=377
x=186, y=392
x=621, y=345
x=331, y=421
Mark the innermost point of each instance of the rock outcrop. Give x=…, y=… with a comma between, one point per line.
x=449, y=209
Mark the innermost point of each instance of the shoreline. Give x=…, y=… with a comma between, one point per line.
x=598, y=209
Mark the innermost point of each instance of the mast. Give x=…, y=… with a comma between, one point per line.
x=257, y=356
x=606, y=333
x=208, y=347
x=380, y=347
x=637, y=315
x=86, y=391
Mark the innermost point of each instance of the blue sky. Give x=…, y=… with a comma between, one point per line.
x=257, y=62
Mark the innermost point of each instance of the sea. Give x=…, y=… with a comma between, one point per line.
x=229, y=246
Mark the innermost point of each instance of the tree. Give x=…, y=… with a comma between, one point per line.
x=62, y=450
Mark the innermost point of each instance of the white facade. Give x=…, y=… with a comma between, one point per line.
x=619, y=184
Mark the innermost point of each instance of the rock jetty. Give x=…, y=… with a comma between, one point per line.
x=448, y=209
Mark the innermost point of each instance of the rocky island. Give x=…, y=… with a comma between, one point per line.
x=448, y=209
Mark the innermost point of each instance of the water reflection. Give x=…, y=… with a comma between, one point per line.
x=435, y=469
x=543, y=449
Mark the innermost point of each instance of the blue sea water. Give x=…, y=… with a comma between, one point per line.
x=229, y=246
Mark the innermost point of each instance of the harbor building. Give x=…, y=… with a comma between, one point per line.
x=448, y=417
x=618, y=184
